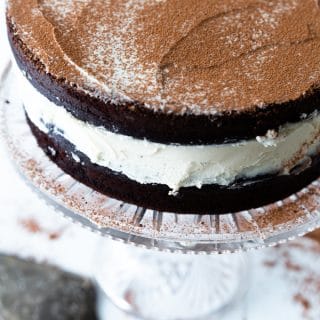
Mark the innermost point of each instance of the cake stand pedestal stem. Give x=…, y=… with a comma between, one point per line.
x=169, y=286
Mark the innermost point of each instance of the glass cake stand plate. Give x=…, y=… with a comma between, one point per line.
x=202, y=284
x=191, y=233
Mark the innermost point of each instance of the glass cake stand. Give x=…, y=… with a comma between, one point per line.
x=183, y=281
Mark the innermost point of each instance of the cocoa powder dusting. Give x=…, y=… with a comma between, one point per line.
x=270, y=263
x=31, y=225
x=178, y=55
x=299, y=298
x=303, y=277
x=292, y=266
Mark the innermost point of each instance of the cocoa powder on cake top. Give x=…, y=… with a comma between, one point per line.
x=181, y=56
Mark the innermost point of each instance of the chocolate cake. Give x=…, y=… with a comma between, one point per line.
x=175, y=105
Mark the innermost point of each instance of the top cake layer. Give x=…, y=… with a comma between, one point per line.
x=190, y=56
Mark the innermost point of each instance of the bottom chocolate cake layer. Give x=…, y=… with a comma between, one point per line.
x=210, y=199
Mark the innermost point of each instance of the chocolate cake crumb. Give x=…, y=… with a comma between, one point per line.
x=303, y=301
x=269, y=263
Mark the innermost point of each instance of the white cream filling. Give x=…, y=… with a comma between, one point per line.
x=175, y=165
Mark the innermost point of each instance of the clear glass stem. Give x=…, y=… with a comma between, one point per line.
x=158, y=285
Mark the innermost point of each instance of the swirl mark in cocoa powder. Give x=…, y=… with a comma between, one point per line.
x=171, y=63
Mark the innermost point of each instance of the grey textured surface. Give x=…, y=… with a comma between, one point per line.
x=32, y=291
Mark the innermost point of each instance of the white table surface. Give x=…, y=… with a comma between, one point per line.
x=59, y=242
